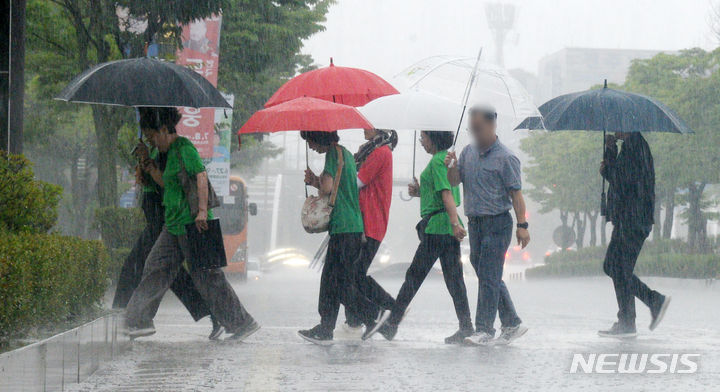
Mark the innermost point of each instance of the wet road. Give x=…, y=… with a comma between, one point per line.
x=563, y=316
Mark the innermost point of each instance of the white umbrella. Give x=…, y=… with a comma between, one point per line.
x=447, y=76
x=413, y=110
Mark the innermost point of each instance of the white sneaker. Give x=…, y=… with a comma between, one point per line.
x=511, y=333
x=348, y=332
x=479, y=339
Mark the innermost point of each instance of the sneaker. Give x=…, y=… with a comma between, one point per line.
x=511, y=333
x=619, y=332
x=348, y=332
x=659, y=312
x=371, y=330
x=245, y=331
x=458, y=337
x=317, y=335
x=217, y=329
x=478, y=339
x=138, y=332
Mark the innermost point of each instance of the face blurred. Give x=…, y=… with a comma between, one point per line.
x=370, y=134
x=482, y=129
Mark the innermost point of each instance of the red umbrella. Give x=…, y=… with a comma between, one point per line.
x=305, y=114
x=345, y=85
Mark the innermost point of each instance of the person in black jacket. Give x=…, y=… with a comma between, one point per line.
x=630, y=206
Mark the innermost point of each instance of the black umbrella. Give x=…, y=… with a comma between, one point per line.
x=606, y=110
x=143, y=82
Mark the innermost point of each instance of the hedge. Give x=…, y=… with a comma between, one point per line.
x=48, y=278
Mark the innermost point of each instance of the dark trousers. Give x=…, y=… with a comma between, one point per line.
x=368, y=286
x=432, y=247
x=337, y=285
x=622, y=253
x=489, y=238
x=132, y=269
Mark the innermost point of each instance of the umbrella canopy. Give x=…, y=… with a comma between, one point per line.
x=414, y=110
x=344, y=85
x=607, y=110
x=447, y=76
x=305, y=114
x=143, y=82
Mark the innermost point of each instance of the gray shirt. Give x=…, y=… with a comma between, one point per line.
x=488, y=177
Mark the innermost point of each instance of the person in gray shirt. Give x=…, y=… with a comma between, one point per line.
x=490, y=174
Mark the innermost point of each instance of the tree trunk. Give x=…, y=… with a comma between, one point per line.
x=696, y=220
x=106, y=160
x=580, y=225
x=592, y=216
x=603, y=231
x=667, y=225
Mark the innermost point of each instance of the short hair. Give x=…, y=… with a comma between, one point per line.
x=155, y=117
x=320, y=137
x=442, y=140
x=488, y=112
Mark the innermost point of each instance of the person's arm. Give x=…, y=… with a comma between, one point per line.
x=150, y=167
x=325, y=184
x=451, y=209
x=518, y=202
x=453, y=173
x=202, y=186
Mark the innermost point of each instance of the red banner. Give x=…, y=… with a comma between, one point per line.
x=201, y=43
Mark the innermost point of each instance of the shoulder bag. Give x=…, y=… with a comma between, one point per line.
x=316, y=211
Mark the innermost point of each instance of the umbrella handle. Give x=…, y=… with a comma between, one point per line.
x=307, y=165
x=603, y=200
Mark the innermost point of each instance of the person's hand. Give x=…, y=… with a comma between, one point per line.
x=459, y=232
x=603, y=164
x=141, y=151
x=450, y=159
x=201, y=220
x=610, y=141
x=414, y=188
x=523, y=237
x=311, y=178
x=149, y=166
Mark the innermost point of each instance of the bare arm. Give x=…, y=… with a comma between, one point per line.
x=325, y=184
x=453, y=173
x=202, y=185
x=518, y=202
x=449, y=203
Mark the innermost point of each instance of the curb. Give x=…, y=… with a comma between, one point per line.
x=64, y=359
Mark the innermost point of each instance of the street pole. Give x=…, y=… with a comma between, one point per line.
x=12, y=64
x=500, y=18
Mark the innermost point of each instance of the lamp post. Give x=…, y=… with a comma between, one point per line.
x=12, y=60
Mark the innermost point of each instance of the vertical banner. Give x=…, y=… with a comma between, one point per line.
x=218, y=167
x=201, y=43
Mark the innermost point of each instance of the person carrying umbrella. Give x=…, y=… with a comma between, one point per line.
x=337, y=285
x=172, y=245
x=440, y=232
x=490, y=174
x=375, y=181
x=630, y=207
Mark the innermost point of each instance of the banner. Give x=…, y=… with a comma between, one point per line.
x=201, y=43
x=218, y=167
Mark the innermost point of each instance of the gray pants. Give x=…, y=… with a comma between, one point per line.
x=161, y=268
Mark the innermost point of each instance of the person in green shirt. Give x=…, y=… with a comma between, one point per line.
x=440, y=232
x=172, y=247
x=337, y=285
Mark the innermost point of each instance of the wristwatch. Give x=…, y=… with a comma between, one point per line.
x=523, y=225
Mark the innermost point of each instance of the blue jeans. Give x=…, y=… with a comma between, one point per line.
x=490, y=237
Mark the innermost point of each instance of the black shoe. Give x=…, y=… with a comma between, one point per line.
x=317, y=335
x=388, y=330
x=459, y=336
x=217, y=329
x=658, y=312
x=245, y=331
x=619, y=332
x=373, y=328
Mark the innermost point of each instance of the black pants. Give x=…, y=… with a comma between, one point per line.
x=432, y=247
x=337, y=285
x=132, y=270
x=368, y=286
x=622, y=253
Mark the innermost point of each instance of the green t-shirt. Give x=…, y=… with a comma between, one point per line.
x=346, y=216
x=150, y=185
x=433, y=180
x=177, y=210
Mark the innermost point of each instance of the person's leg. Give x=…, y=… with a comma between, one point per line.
x=453, y=274
x=161, y=268
x=350, y=295
x=639, y=289
x=501, y=236
x=219, y=296
x=132, y=269
x=184, y=288
x=367, y=286
x=329, y=297
x=619, y=263
x=425, y=257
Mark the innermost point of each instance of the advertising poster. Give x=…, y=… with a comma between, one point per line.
x=218, y=166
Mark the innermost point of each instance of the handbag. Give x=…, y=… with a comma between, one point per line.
x=422, y=225
x=189, y=185
x=316, y=211
x=207, y=250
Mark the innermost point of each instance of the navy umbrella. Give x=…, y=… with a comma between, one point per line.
x=606, y=110
x=143, y=82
